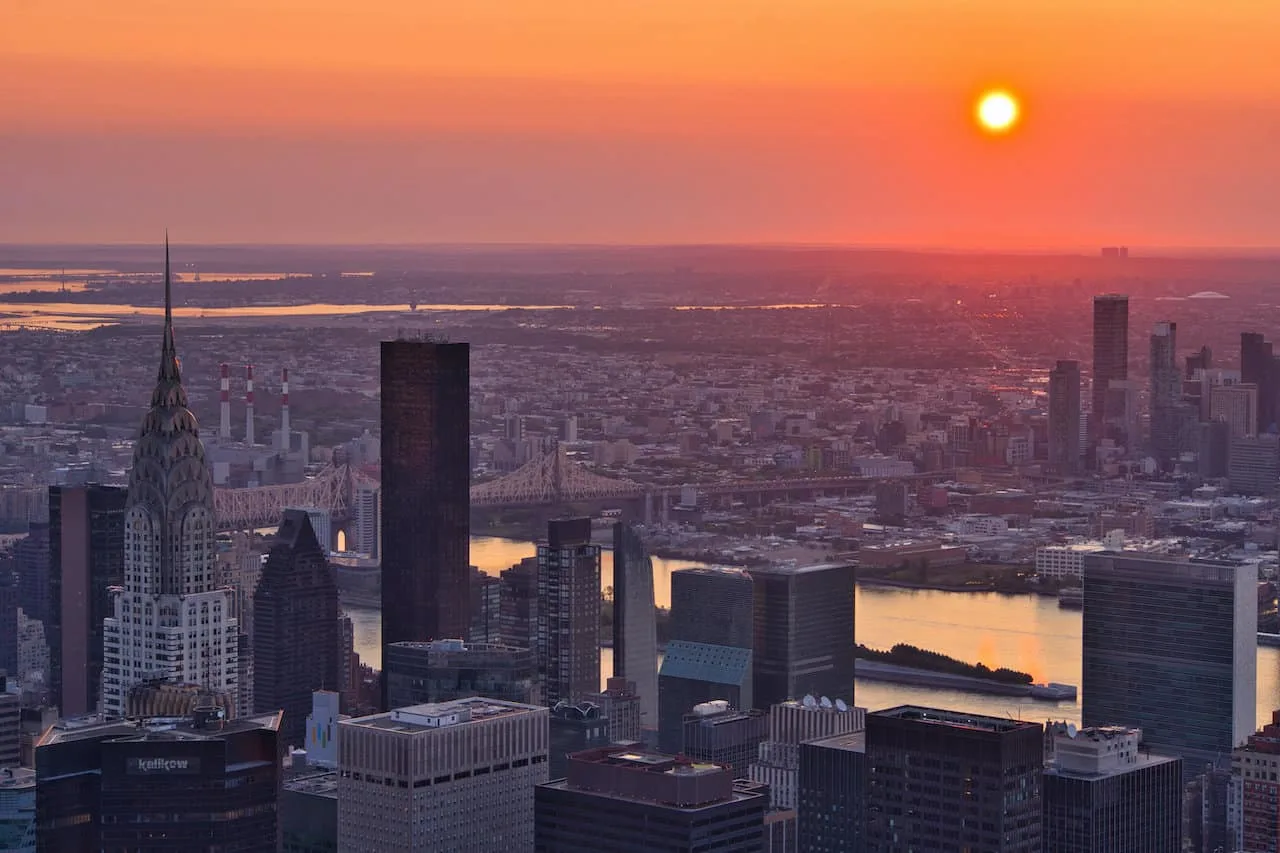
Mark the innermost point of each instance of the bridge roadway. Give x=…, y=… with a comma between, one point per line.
x=263, y=506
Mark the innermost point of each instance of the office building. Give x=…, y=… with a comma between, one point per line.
x=366, y=535
x=1253, y=464
x=1255, y=771
x=1110, y=363
x=201, y=784
x=18, y=810
x=296, y=647
x=86, y=558
x=633, y=801
x=713, y=605
x=443, y=670
x=309, y=813
x=974, y=781
x=619, y=704
x=1103, y=793
x=10, y=724
x=568, y=635
x=1166, y=392
x=321, y=743
x=9, y=655
x=716, y=733
x=693, y=673
x=486, y=607
x=426, y=497
x=635, y=626
x=1258, y=367
x=1236, y=405
x=791, y=723
x=453, y=777
x=832, y=793
x=171, y=621
x=31, y=561
x=1064, y=417
x=321, y=526
x=1213, y=449
x=575, y=727
x=518, y=604
x=1170, y=645
x=803, y=632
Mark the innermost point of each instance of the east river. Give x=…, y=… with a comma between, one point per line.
x=1023, y=632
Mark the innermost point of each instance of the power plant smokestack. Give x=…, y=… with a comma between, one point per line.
x=284, y=409
x=248, y=403
x=224, y=426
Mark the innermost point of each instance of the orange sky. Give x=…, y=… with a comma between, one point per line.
x=640, y=121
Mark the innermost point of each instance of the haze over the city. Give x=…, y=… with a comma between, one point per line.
x=713, y=121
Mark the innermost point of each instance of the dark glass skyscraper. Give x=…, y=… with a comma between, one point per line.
x=712, y=605
x=296, y=647
x=86, y=556
x=1064, y=417
x=1170, y=646
x=426, y=481
x=1258, y=366
x=832, y=794
x=804, y=638
x=635, y=631
x=1166, y=392
x=1110, y=358
x=9, y=619
x=973, y=780
x=568, y=635
x=31, y=560
x=444, y=670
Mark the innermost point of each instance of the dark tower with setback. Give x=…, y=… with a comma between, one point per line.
x=426, y=481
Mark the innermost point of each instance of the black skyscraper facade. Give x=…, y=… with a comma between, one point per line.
x=1064, y=417
x=8, y=619
x=804, y=638
x=714, y=606
x=1258, y=366
x=296, y=646
x=31, y=560
x=86, y=557
x=426, y=498
x=972, y=780
x=832, y=793
x=1110, y=359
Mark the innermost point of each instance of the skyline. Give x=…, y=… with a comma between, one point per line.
x=641, y=124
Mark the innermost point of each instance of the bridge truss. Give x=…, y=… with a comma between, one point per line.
x=551, y=479
x=263, y=506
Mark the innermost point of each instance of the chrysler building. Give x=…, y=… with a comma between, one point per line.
x=171, y=621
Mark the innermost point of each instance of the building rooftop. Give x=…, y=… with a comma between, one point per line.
x=13, y=778
x=316, y=784
x=156, y=729
x=850, y=742
x=639, y=775
x=417, y=719
x=785, y=569
x=954, y=719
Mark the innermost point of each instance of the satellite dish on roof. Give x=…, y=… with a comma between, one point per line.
x=841, y=706
x=809, y=701
x=1071, y=730
x=826, y=703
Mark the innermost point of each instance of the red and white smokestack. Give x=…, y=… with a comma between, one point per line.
x=248, y=405
x=284, y=409
x=224, y=426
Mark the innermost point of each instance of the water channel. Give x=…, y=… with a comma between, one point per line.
x=1024, y=632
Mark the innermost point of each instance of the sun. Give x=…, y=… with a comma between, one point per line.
x=997, y=111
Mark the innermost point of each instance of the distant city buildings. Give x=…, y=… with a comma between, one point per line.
x=426, y=474
x=1170, y=646
x=452, y=777
x=1110, y=364
x=1065, y=453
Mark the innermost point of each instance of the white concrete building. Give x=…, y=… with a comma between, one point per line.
x=451, y=777
x=790, y=724
x=1066, y=562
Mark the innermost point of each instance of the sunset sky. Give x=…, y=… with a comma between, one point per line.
x=640, y=121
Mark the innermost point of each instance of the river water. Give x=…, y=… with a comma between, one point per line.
x=1024, y=632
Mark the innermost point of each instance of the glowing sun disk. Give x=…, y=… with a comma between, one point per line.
x=997, y=111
